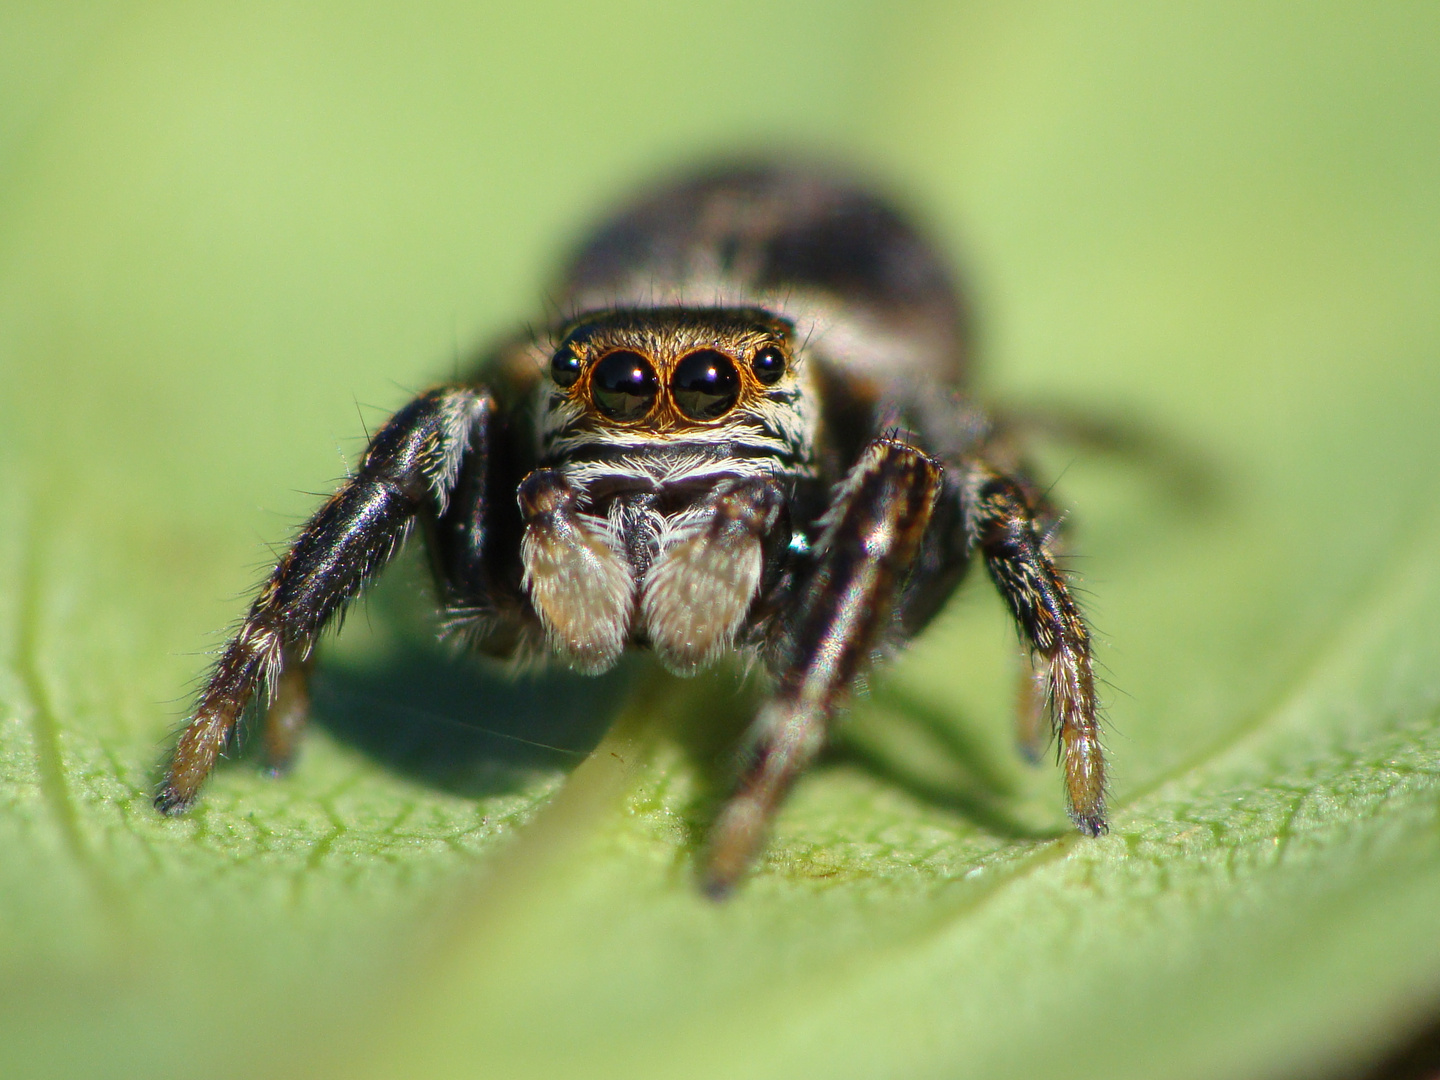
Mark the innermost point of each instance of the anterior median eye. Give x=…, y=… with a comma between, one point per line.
x=624, y=385
x=706, y=385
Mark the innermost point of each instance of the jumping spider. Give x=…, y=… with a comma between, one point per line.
x=748, y=431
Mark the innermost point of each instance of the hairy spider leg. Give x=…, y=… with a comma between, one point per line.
x=873, y=530
x=409, y=468
x=1010, y=534
x=1004, y=454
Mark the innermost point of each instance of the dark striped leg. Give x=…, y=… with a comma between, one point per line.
x=409, y=468
x=1012, y=539
x=874, y=529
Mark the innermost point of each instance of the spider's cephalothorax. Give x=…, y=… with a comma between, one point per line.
x=748, y=433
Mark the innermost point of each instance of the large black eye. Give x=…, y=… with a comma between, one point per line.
x=769, y=364
x=706, y=385
x=624, y=385
x=565, y=367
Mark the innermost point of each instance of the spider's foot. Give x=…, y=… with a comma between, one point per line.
x=170, y=802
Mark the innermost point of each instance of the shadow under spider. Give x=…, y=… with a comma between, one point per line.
x=706, y=718
x=464, y=726
x=435, y=714
x=968, y=780
x=449, y=722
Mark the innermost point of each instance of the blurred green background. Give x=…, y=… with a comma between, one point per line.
x=232, y=237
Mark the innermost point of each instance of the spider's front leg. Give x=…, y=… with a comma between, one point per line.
x=409, y=469
x=873, y=531
x=1011, y=533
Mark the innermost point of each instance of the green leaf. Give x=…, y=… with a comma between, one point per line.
x=222, y=229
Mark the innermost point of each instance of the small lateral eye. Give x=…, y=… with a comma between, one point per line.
x=624, y=385
x=768, y=364
x=565, y=367
x=705, y=385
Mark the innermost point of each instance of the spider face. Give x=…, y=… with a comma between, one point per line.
x=658, y=419
x=669, y=369
x=789, y=470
